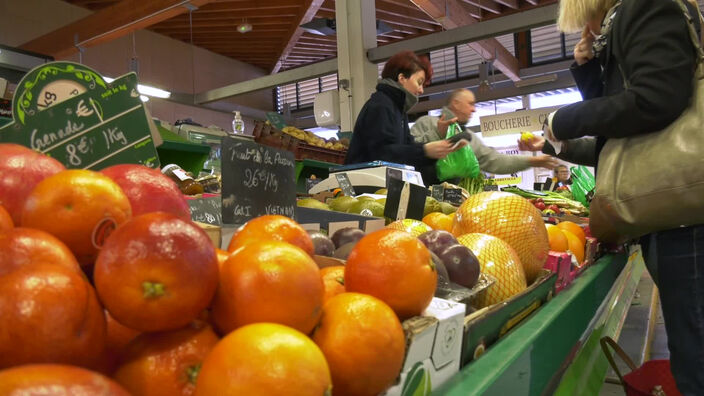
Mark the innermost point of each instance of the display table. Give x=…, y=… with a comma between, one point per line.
x=556, y=350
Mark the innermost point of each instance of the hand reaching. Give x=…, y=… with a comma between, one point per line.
x=438, y=149
x=443, y=124
x=583, y=50
x=544, y=161
x=534, y=144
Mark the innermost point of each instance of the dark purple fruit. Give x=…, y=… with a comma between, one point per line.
x=343, y=251
x=462, y=265
x=346, y=235
x=322, y=245
x=437, y=240
x=443, y=276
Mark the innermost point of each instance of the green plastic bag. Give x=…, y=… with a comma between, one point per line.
x=460, y=163
x=583, y=184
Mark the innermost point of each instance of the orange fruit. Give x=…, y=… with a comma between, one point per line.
x=575, y=229
x=264, y=359
x=395, y=267
x=439, y=221
x=20, y=170
x=575, y=245
x=166, y=363
x=411, y=226
x=50, y=314
x=272, y=227
x=56, y=379
x=363, y=342
x=222, y=256
x=25, y=246
x=141, y=184
x=117, y=338
x=557, y=240
x=268, y=281
x=498, y=259
x=80, y=207
x=5, y=220
x=156, y=272
x=333, y=281
x=512, y=219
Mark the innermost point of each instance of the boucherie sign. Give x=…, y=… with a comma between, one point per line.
x=516, y=122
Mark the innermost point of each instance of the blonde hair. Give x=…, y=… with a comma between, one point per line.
x=574, y=14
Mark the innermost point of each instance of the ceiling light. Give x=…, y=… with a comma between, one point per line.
x=144, y=98
x=146, y=90
x=244, y=27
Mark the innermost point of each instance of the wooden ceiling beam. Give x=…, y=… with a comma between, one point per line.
x=239, y=16
x=509, y=3
x=452, y=14
x=311, y=8
x=473, y=10
x=488, y=5
x=223, y=24
x=239, y=6
x=107, y=24
x=407, y=13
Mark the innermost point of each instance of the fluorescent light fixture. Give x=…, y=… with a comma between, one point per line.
x=151, y=91
x=545, y=78
x=146, y=90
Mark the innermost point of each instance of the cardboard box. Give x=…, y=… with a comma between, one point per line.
x=433, y=348
x=213, y=231
x=315, y=219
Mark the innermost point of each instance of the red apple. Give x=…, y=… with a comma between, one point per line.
x=149, y=190
x=540, y=205
x=20, y=170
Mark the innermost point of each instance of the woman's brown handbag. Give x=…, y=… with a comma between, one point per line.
x=653, y=182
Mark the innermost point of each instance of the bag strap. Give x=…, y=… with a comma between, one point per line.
x=607, y=342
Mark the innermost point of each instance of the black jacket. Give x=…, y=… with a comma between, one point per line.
x=381, y=133
x=650, y=41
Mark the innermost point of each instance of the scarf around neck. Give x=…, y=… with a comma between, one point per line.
x=410, y=99
x=606, y=24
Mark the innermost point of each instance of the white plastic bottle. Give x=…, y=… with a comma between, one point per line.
x=238, y=124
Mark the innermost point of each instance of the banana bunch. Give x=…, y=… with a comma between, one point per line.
x=312, y=139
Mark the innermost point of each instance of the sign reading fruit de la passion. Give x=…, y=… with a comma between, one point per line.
x=69, y=112
x=256, y=180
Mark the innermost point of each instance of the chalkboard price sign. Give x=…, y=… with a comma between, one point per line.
x=69, y=112
x=453, y=196
x=345, y=184
x=256, y=180
x=206, y=210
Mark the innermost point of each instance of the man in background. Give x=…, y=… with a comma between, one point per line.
x=560, y=181
x=459, y=108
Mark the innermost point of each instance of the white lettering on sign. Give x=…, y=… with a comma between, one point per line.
x=242, y=210
x=280, y=210
x=114, y=135
x=82, y=110
x=42, y=142
x=251, y=154
x=254, y=178
x=516, y=122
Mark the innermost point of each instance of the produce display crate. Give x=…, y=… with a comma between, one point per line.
x=484, y=327
x=268, y=135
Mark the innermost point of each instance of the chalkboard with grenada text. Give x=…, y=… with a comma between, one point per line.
x=256, y=180
x=69, y=112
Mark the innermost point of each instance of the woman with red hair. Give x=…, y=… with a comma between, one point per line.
x=381, y=132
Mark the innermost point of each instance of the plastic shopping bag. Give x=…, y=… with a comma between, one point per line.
x=460, y=163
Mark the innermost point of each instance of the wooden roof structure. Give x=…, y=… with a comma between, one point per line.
x=276, y=41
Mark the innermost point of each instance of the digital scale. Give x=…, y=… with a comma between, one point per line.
x=368, y=177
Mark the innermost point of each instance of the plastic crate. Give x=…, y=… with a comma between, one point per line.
x=268, y=135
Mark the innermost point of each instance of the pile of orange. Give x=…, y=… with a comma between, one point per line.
x=567, y=236
x=439, y=221
x=138, y=303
